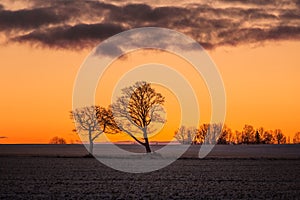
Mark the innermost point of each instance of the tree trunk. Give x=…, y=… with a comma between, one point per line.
x=91, y=147
x=147, y=146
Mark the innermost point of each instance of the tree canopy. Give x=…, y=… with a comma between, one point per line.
x=136, y=109
x=92, y=121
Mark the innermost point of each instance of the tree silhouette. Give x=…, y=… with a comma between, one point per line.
x=186, y=135
x=57, y=140
x=268, y=137
x=226, y=136
x=137, y=108
x=181, y=135
x=258, y=135
x=215, y=131
x=216, y=134
x=238, y=137
x=230, y=135
x=201, y=133
x=92, y=121
x=296, y=139
x=280, y=138
x=248, y=134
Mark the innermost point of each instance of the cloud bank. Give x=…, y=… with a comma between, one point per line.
x=83, y=24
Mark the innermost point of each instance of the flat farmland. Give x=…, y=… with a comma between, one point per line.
x=228, y=172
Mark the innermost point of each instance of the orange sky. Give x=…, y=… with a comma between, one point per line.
x=118, y=69
x=262, y=87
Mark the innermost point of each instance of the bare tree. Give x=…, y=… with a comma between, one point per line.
x=280, y=138
x=238, y=137
x=226, y=136
x=296, y=139
x=137, y=108
x=186, y=135
x=201, y=133
x=92, y=121
x=248, y=134
x=268, y=137
x=214, y=130
x=180, y=135
x=57, y=140
x=230, y=137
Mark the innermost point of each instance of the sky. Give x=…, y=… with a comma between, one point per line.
x=254, y=44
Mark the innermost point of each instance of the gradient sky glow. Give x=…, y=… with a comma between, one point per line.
x=255, y=45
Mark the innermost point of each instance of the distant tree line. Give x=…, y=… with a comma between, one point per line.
x=57, y=140
x=248, y=135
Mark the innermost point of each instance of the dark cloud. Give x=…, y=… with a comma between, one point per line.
x=243, y=35
x=284, y=32
x=29, y=19
x=80, y=24
x=252, y=35
x=254, y=14
x=257, y=2
x=109, y=50
x=78, y=36
x=290, y=14
x=3, y=137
